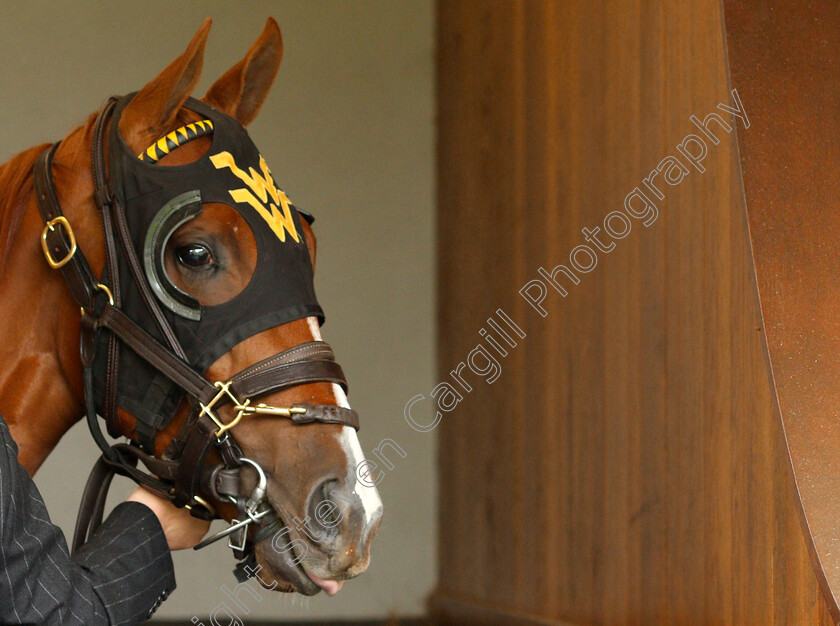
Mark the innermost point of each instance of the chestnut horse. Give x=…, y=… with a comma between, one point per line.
x=211, y=258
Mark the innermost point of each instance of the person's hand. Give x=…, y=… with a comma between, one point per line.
x=182, y=530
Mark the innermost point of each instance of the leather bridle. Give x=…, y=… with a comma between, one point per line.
x=181, y=474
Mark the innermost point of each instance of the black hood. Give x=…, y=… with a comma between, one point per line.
x=157, y=200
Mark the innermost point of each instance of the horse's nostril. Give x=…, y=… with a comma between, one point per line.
x=324, y=511
x=330, y=513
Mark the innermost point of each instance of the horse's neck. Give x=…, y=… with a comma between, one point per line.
x=39, y=380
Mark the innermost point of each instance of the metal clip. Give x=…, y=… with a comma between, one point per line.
x=234, y=526
x=239, y=527
x=238, y=538
x=242, y=408
x=207, y=409
x=259, y=491
x=264, y=409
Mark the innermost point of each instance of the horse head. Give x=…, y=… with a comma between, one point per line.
x=227, y=262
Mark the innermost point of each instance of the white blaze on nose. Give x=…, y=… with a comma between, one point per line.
x=369, y=496
x=349, y=441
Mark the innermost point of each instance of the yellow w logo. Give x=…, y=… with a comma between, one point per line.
x=264, y=188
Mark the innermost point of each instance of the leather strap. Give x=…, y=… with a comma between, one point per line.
x=268, y=370
x=77, y=273
x=285, y=370
x=222, y=483
x=288, y=375
x=100, y=183
x=92, y=505
x=147, y=347
x=106, y=199
x=198, y=444
x=143, y=284
x=326, y=414
x=301, y=352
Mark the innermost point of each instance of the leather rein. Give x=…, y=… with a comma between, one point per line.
x=181, y=473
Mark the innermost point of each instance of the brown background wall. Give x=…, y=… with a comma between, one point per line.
x=784, y=58
x=628, y=465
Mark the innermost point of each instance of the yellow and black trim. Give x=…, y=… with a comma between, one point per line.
x=176, y=138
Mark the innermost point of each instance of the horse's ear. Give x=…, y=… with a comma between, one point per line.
x=242, y=90
x=153, y=109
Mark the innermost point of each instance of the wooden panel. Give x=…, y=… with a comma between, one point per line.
x=628, y=465
x=785, y=62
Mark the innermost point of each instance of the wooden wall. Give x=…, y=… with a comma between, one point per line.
x=785, y=59
x=628, y=465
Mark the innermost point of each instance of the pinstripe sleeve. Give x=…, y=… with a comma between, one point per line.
x=119, y=577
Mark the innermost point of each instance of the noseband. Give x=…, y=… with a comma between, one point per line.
x=181, y=473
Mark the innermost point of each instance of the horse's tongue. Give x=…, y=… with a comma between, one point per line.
x=330, y=587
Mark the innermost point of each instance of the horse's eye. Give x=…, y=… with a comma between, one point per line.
x=195, y=256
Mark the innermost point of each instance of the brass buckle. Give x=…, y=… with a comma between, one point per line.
x=50, y=226
x=207, y=409
x=104, y=289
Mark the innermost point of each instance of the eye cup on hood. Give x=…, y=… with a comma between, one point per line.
x=180, y=210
